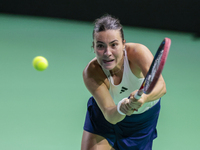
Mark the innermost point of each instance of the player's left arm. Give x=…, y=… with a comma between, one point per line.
x=142, y=60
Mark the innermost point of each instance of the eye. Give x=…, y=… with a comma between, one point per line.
x=100, y=46
x=114, y=45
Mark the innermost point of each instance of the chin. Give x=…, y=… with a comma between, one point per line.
x=107, y=67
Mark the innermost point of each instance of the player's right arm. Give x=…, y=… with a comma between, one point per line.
x=97, y=83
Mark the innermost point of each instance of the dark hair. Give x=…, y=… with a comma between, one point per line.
x=108, y=22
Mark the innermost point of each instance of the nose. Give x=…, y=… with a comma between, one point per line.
x=107, y=52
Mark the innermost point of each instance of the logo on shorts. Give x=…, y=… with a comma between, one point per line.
x=123, y=89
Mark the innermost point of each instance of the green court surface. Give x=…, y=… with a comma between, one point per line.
x=46, y=110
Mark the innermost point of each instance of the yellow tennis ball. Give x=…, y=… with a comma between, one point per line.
x=40, y=63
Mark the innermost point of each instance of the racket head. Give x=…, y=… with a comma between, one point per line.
x=156, y=67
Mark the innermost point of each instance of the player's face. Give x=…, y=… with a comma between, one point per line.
x=108, y=47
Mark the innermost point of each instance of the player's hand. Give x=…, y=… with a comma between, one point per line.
x=126, y=108
x=135, y=104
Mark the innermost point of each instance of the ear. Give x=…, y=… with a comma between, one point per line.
x=93, y=44
x=124, y=42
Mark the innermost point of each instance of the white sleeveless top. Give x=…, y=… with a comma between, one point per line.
x=128, y=84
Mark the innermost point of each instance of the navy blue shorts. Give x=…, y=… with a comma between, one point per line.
x=135, y=132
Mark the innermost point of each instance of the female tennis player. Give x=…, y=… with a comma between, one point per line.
x=114, y=122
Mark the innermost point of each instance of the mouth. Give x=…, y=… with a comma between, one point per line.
x=108, y=61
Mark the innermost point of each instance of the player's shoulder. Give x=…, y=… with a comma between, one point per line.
x=92, y=66
x=93, y=70
x=136, y=51
x=135, y=48
x=93, y=75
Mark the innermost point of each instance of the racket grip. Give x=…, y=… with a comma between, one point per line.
x=137, y=95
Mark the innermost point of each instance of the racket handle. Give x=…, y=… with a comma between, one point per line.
x=138, y=95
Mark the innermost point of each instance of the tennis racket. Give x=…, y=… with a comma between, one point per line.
x=155, y=69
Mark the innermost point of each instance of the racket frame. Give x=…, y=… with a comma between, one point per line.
x=164, y=48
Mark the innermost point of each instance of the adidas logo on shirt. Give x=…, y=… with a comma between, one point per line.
x=123, y=89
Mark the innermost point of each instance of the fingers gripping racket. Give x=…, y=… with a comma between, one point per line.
x=155, y=69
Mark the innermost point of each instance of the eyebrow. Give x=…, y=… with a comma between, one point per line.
x=99, y=42
x=113, y=41
x=110, y=42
